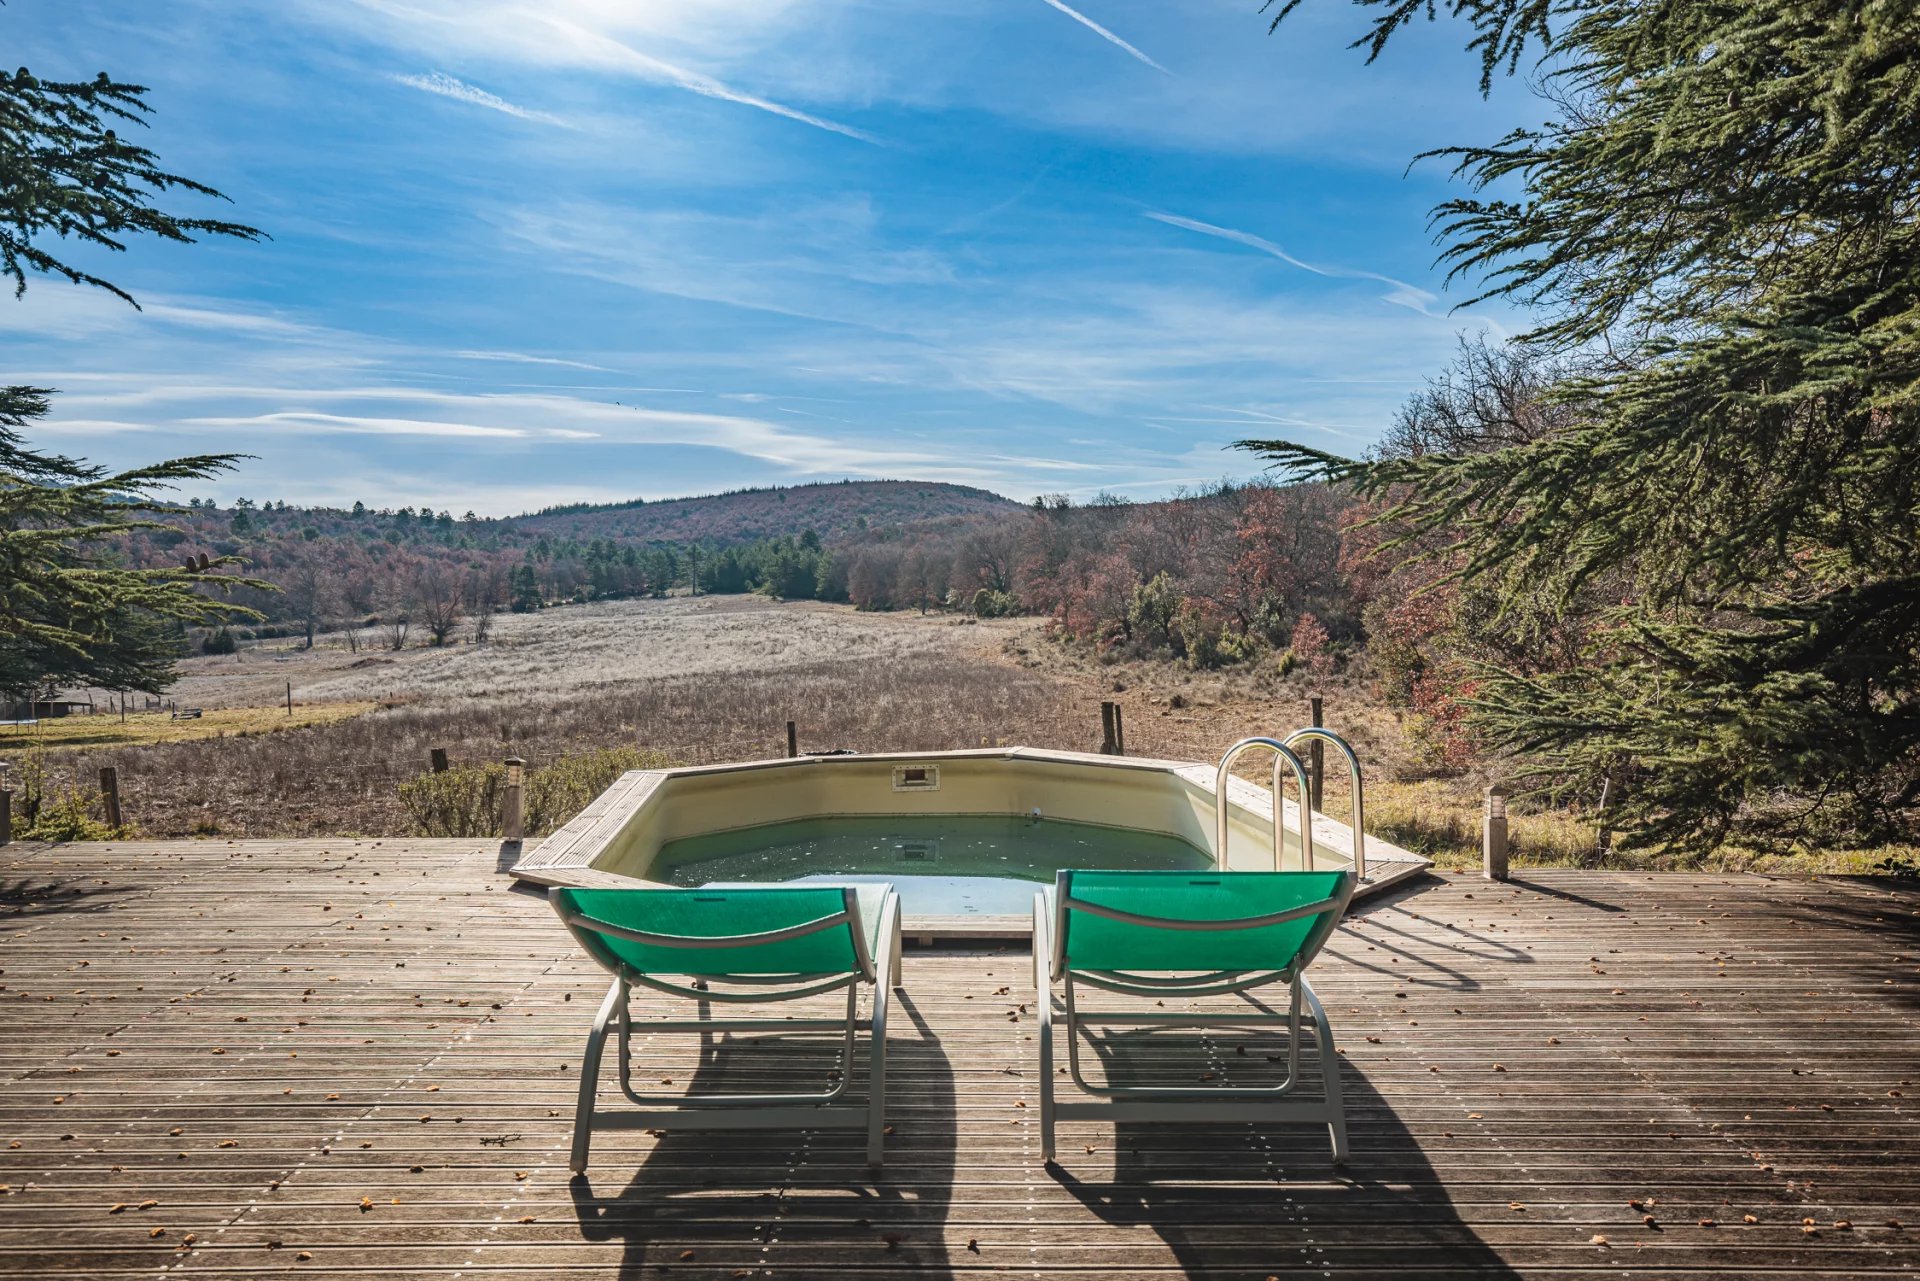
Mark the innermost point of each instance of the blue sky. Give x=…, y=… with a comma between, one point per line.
x=528, y=253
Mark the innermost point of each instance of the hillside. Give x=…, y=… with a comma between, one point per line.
x=834, y=511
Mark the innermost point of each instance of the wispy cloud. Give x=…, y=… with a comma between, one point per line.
x=446, y=86
x=520, y=358
x=1105, y=34
x=614, y=54
x=1399, y=292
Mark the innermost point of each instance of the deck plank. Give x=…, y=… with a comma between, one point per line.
x=364, y=1052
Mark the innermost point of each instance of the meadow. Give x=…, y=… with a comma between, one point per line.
x=691, y=680
x=698, y=680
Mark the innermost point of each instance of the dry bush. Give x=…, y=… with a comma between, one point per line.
x=467, y=801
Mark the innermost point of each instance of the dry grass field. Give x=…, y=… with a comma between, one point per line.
x=696, y=680
x=717, y=678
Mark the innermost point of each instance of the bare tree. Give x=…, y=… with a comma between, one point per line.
x=436, y=596
x=486, y=592
x=307, y=581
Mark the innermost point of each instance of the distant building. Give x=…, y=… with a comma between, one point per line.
x=45, y=709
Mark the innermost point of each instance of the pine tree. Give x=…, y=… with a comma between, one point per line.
x=1722, y=220
x=69, y=613
x=524, y=590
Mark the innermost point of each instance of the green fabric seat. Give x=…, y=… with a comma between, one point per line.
x=1093, y=942
x=716, y=911
x=1168, y=941
x=724, y=947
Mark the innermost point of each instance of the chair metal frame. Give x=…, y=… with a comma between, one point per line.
x=1244, y=1104
x=817, y=1110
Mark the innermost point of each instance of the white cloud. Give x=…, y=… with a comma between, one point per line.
x=523, y=359
x=1400, y=293
x=614, y=55
x=446, y=86
x=571, y=34
x=1105, y=34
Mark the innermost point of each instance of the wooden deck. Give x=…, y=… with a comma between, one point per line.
x=357, y=1059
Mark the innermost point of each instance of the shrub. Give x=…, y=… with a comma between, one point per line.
x=66, y=815
x=1208, y=640
x=988, y=603
x=51, y=813
x=466, y=801
x=1311, y=646
x=220, y=641
x=1238, y=647
x=1151, y=612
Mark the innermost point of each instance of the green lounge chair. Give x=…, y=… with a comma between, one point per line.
x=739, y=944
x=1173, y=935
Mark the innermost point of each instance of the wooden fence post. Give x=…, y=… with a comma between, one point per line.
x=1493, y=835
x=1316, y=755
x=513, y=808
x=110, y=792
x=289, y=698
x=6, y=815
x=437, y=756
x=1119, y=732
x=1106, y=729
x=793, y=740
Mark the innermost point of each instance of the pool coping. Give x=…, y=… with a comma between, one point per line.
x=566, y=857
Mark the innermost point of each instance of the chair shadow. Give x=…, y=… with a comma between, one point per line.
x=1264, y=1200
x=25, y=896
x=799, y=1203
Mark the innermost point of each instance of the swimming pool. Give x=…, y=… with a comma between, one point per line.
x=956, y=832
x=941, y=864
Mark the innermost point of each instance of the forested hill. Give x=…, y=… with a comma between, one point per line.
x=833, y=511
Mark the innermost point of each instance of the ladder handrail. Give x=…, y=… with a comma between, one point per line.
x=1281, y=752
x=1353, y=775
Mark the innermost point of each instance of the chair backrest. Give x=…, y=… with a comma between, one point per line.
x=1175, y=922
x=778, y=930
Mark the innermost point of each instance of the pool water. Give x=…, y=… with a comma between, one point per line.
x=941, y=864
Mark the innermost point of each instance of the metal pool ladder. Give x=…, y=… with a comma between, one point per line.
x=1283, y=753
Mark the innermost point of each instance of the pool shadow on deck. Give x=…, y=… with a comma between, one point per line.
x=1267, y=1200
x=790, y=1202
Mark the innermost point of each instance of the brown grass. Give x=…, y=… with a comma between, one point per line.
x=717, y=679
x=864, y=682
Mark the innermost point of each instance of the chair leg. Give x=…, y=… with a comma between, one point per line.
x=590, y=1078
x=887, y=971
x=1043, y=997
x=624, y=1048
x=894, y=977
x=1329, y=1076
x=877, y=1071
